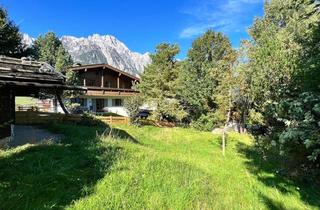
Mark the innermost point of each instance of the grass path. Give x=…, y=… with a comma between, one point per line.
x=160, y=168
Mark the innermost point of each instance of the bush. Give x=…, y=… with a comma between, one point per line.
x=132, y=105
x=301, y=118
x=207, y=122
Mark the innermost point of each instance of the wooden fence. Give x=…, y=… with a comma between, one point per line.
x=27, y=108
x=114, y=120
x=31, y=117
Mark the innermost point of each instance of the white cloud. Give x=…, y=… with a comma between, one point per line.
x=196, y=30
x=223, y=15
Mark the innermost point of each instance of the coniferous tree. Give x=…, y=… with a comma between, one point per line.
x=10, y=37
x=159, y=83
x=50, y=49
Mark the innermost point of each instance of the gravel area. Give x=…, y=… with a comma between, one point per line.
x=32, y=135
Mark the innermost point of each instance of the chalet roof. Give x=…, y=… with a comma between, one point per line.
x=102, y=65
x=24, y=72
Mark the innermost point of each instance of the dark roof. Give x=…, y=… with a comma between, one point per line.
x=24, y=72
x=92, y=66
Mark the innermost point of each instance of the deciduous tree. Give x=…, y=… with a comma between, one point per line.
x=284, y=61
x=208, y=65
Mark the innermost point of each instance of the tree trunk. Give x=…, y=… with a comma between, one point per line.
x=225, y=126
x=7, y=111
x=61, y=103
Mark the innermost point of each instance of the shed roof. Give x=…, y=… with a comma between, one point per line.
x=24, y=72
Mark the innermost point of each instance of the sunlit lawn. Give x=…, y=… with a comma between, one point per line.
x=158, y=168
x=23, y=101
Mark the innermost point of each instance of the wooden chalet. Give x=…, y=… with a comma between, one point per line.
x=23, y=77
x=106, y=86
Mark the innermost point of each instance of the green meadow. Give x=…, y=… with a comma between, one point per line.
x=146, y=168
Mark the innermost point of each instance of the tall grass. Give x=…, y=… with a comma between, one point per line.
x=146, y=168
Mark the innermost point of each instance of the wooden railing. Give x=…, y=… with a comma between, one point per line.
x=111, y=89
x=33, y=117
x=114, y=120
x=27, y=108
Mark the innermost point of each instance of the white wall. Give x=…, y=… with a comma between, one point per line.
x=120, y=110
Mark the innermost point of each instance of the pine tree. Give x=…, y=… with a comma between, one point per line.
x=50, y=49
x=10, y=37
x=159, y=83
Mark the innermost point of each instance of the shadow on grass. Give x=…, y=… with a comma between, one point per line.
x=52, y=176
x=309, y=193
x=272, y=204
x=120, y=134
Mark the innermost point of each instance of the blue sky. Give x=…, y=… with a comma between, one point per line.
x=140, y=24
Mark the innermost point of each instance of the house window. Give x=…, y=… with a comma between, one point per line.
x=117, y=102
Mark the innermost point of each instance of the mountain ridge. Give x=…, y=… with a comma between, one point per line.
x=102, y=49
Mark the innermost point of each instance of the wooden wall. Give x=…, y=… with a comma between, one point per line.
x=7, y=111
x=31, y=118
x=93, y=78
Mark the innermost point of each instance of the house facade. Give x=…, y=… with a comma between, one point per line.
x=107, y=87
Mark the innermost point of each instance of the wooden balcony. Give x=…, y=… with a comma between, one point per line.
x=103, y=91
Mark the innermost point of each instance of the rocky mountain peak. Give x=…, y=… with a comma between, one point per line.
x=105, y=49
x=96, y=49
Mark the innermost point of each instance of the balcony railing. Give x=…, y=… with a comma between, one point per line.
x=111, y=89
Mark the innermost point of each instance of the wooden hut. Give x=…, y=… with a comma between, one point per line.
x=23, y=77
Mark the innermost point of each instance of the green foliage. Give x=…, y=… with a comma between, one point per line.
x=132, y=105
x=49, y=49
x=255, y=118
x=208, y=121
x=280, y=55
x=301, y=117
x=283, y=64
x=159, y=83
x=10, y=37
x=205, y=75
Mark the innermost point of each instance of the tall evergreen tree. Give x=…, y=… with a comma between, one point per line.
x=50, y=49
x=159, y=83
x=10, y=37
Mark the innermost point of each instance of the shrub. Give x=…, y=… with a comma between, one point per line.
x=207, y=122
x=301, y=118
x=132, y=105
